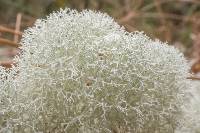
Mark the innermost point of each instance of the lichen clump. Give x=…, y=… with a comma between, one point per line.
x=82, y=72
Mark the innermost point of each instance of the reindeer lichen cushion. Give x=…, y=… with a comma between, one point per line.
x=80, y=72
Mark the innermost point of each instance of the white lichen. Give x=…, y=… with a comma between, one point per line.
x=82, y=72
x=191, y=111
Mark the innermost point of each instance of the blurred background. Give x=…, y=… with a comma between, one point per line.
x=174, y=21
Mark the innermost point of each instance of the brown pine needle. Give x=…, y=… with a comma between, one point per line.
x=7, y=64
x=4, y=42
x=194, y=78
x=8, y=30
x=17, y=27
